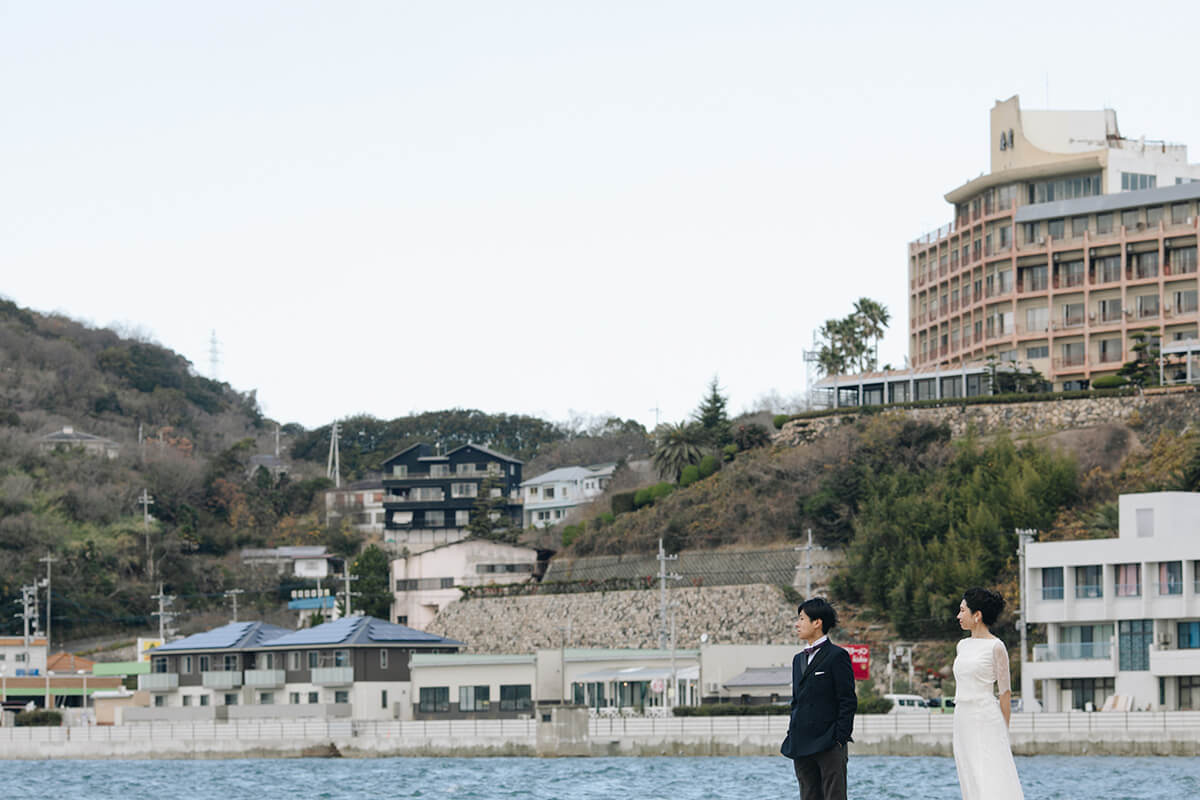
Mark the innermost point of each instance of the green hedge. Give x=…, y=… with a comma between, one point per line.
x=689, y=475
x=39, y=718
x=983, y=400
x=623, y=502
x=731, y=710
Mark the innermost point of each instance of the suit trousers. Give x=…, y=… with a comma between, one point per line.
x=822, y=776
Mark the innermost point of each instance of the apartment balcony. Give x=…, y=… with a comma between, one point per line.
x=158, y=682
x=265, y=678
x=1072, y=660
x=405, y=499
x=333, y=676
x=1072, y=651
x=222, y=679
x=1166, y=663
x=1179, y=269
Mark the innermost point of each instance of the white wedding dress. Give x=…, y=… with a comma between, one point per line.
x=982, y=752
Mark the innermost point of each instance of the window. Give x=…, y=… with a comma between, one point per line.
x=1079, y=226
x=203, y=699
x=1130, y=218
x=399, y=470
x=464, y=490
x=1088, y=581
x=1133, y=642
x=462, y=518
x=341, y=658
x=435, y=519
x=1128, y=580
x=1136, y=181
x=1110, y=310
x=187, y=699
x=1145, y=522
x=464, y=469
x=1145, y=265
x=314, y=698
x=1032, y=234
x=1147, y=306
x=383, y=699
x=267, y=661
x=1183, y=261
x=314, y=659
x=1072, y=273
x=1184, y=302
x=1004, y=281
x=1189, y=692
x=439, y=470
x=160, y=700
x=294, y=660
x=186, y=665
x=294, y=698
x=1052, y=583
x=1087, y=692
x=1154, y=215
x=1104, y=223
x=341, y=697
x=1170, y=577
x=548, y=492
x=229, y=662
x=159, y=665
x=383, y=659
x=1189, y=635
x=1056, y=228
x=1037, y=351
x=1036, y=279
x=205, y=666
x=1064, y=188
x=402, y=619
x=1037, y=319
x=434, y=699
x=1072, y=354
x=266, y=698
x=1179, y=213
x=515, y=698
x=231, y=699
x=1110, y=350
x=474, y=698
x=427, y=494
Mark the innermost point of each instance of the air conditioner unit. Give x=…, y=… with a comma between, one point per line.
x=1041, y=240
x=1167, y=307
x=1092, y=315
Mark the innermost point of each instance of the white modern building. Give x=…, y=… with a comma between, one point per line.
x=21, y=656
x=550, y=496
x=1122, y=616
x=425, y=582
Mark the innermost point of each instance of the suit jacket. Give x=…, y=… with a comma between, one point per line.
x=823, y=702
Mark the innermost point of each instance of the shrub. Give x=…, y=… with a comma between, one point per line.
x=570, y=533
x=781, y=420
x=660, y=490
x=869, y=702
x=689, y=475
x=624, y=502
x=40, y=717
x=605, y=518
x=729, y=451
x=709, y=464
x=1109, y=382
x=731, y=710
x=643, y=497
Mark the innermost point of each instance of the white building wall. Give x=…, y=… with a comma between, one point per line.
x=444, y=568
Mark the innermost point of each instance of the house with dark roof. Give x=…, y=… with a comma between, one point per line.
x=353, y=667
x=430, y=497
x=69, y=438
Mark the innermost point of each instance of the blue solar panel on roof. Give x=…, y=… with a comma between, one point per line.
x=335, y=632
x=224, y=636
x=380, y=631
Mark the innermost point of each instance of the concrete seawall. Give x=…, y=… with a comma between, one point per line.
x=567, y=734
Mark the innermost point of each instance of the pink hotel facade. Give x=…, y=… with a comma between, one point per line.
x=1075, y=240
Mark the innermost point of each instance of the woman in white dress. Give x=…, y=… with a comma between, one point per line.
x=982, y=753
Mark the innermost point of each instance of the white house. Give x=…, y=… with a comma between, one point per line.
x=1122, y=616
x=425, y=582
x=18, y=657
x=550, y=496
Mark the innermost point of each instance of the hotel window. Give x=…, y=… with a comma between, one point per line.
x=1147, y=306
x=435, y=519
x=433, y=699
x=1183, y=260
x=1073, y=315
x=1131, y=218
x=1104, y=223
x=1089, y=581
x=462, y=518
x=1110, y=310
x=1128, y=580
x=1032, y=232
x=1189, y=635
x=1185, y=302
x=1189, y=692
x=1052, y=583
x=1134, y=637
x=1145, y=265
x=1136, y=181
x=1154, y=215
x=1036, y=278
x=1004, y=281
x=1079, y=226
x=1037, y=351
x=474, y=698
x=1037, y=319
x=1073, y=354
x=1170, y=577
x=1005, y=237
x=439, y=470
x=1179, y=213
x=1072, y=273
x=1110, y=350
x=515, y=698
x=1055, y=228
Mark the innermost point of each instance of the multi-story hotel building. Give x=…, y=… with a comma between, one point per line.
x=1075, y=241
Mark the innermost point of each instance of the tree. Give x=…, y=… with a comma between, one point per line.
x=846, y=346
x=1142, y=370
x=489, y=516
x=676, y=446
x=711, y=416
x=374, y=594
x=873, y=318
x=1012, y=380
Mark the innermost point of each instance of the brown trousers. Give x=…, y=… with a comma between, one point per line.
x=822, y=776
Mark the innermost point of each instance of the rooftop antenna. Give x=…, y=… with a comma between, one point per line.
x=214, y=356
x=333, y=469
x=811, y=359
x=657, y=413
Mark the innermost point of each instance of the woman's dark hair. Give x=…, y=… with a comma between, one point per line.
x=818, y=608
x=988, y=603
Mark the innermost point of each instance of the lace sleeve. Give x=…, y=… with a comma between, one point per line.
x=1000, y=660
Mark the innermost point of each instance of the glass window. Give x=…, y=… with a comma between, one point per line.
x=439, y=470
x=1154, y=215
x=186, y=667
x=1185, y=302
x=383, y=699
x=205, y=663
x=203, y=699
x=1032, y=232
x=229, y=662
x=231, y=699
x=314, y=698
x=1183, y=260
x=1073, y=354
x=1108, y=269
x=160, y=700
x=1170, y=577
x=1128, y=579
x=1104, y=223
x=435, y=519
x=1079, y=226
x=1088, y=692
x=399, y=470
x=1110, y=350
x=1189, y=635
x=462, y=518
x=1179, y=213
x=1037, y=319
x=341, y=697
x=1145, y=265
x=341, y=658
x=294, y=698
x=1073, y=315
x=294, y=660
x=1089, y=581
x=1037, y=351
x=433, y=699
x=1145, y=522
x=474, y=698
x=1110, y=310
x=1055, y=228
x=515, y=698
x=1189, y=692
x=1052, y=583
x=383, y=658
x=266, y=698
x=1147, y=306
x=1131, y=217
x=1134, y=637
x=187, y=699
x=159, y=664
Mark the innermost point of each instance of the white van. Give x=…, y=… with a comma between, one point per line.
x=904, y=703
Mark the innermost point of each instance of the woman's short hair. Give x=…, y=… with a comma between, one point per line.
x=818, y=608
x=987, y=602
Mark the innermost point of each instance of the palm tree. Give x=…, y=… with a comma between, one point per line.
x=873, y=318
x=676, y=446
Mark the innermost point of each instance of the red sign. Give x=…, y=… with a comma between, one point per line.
x=860, y=659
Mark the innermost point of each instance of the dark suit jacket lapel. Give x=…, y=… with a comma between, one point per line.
x=818, y=657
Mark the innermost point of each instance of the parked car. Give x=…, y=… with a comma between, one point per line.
x=943, y=704
x=902, y=703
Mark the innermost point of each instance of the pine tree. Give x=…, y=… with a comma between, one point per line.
x=713, y=419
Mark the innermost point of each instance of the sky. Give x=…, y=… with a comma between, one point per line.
x=553, y=208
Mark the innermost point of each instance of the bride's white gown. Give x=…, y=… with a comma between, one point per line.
x=982, y=752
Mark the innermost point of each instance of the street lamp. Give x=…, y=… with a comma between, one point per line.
x=1024, y=537
x=84, y=704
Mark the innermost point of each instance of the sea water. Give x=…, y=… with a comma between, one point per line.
x=871, y=778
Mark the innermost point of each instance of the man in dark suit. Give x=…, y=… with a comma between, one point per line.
x=823, y=706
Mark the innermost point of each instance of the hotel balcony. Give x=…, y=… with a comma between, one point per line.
x=333, y=676
x=222, y=679
x=265, y=678
x=158, y=681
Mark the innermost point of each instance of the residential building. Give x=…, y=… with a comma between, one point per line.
x=429, y=497
x=1121, y=615
x=69, y=438
x=550, y=496
x=21, y=656
x=361, y=501
x=1075, y=241
x=426, y=581
x=302, y=561
x=354, y=667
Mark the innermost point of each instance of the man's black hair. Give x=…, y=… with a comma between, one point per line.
x=818, y=608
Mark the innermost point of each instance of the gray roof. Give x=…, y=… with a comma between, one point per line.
x=570, y=474
x=488, y=450
x=360, y=631
x=1109, y=202
x=234, y=636
x=286, y=552
x=762, y=676
x=69, y=435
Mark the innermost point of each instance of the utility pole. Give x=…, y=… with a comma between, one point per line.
x=49, y=559
x=808, y=566
x=232, y=594
x=146, y=500
x=333, y=469
x=657, y=414
x=663, y=558
x=1024, y=537
x=164, y=616
x=28, y=594
x=347, y=577
x=669, y=698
